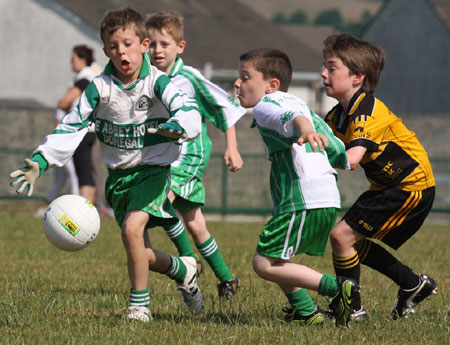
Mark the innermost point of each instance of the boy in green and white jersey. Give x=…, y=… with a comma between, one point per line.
x=303, y=186
x=126, y=100
x=165, y=30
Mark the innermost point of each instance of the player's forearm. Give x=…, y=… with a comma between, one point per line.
x=66, y=101
x=354, y=156
x=230, y=138
x=303, y=125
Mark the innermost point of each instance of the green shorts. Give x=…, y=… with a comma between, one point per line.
x=143, y=188
x=289, y=234
x=189, y=190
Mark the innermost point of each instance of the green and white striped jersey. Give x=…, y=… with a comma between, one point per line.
x=121, y=114
x=300, y=179
x=215, y=105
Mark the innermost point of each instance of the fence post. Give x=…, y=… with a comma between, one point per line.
x=224, y=189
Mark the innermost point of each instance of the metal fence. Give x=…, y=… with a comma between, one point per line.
x=242, y=192
x=247, y=191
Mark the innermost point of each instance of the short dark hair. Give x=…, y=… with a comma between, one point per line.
x=122, y=18
x=84, y=52
x=272, y=63
x=360, y=57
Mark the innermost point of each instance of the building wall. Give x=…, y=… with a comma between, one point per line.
x=416, y=76
x=37, y=37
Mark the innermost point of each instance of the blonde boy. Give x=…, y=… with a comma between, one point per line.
x=303, y=187
x=402, y=186
x=165, y=30
x=126, y=99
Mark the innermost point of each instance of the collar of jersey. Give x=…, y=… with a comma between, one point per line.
x=177, y=67
x=355, y=101
x=145, y=71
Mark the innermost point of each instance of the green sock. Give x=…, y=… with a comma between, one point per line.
x=179, y=237
x=328, y=286
x=210, y=252
x=140, y=298
x=301, y=302
x=177, y=270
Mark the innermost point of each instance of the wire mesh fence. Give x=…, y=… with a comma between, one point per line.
x=242, y=192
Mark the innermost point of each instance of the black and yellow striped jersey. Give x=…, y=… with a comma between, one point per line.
x=394, y=156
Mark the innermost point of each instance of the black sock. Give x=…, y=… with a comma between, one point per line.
x=379, y=259
x=349, y=267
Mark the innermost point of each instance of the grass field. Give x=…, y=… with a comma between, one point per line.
x=53, y=297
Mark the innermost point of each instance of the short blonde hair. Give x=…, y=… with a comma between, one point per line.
x=172, y=22
x=360, y=57
x=122, y=18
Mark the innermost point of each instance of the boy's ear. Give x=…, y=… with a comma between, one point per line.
x=358, y=78
x=105, y=51
x=273, y=85
x=145, y=44
x=181, y=47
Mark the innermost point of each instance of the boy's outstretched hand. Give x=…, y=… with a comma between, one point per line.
x=25, y=177
x=171, y=130
x=314, y=138
x=233, y=160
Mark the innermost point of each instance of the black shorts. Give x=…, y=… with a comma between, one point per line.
x=82, y=159
x=390, y=215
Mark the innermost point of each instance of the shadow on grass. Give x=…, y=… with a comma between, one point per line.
x=231, y=318
x=241, y=318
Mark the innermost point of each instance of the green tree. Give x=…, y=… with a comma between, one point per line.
x=330, y=17
x=279, y=18
x=357, y=28
x=298, y=17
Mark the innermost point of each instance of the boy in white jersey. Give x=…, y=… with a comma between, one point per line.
x=165, y=30
x=303, y=186
x=126, y=99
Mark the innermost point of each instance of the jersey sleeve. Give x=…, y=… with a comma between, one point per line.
x=82, y=84
x=215, y=104
x=182, y=108
x=59, y=146
x=271, y=115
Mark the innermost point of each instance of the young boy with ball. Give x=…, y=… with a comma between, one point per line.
x=165, y=30
x=129, y=97
x=402, y=185
x=303, y=187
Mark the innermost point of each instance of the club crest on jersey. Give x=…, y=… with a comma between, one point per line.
x=143, y=103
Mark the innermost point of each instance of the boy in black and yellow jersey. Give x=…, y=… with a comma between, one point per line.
x=402, y=186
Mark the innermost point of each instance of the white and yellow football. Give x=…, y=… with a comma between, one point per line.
x=71, y=222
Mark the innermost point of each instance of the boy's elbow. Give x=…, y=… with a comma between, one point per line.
x=353, y=165
x=63, y=105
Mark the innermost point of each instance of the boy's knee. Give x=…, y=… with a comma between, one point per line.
x=130, y=233
x=198, y=230
x=343, y=236
x=260, y=265
x=334, y=237
x=195, y=226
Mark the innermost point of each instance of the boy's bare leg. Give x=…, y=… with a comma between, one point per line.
x=196, y=225
x=343, y=238
x=289, y=276
x=208, y=248
x=293, y=280
x=133, y=240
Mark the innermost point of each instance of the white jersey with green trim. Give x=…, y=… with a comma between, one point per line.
x=121, y=114
x=215, y=105
x=300, y=179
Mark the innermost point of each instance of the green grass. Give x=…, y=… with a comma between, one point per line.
x=48, y=296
